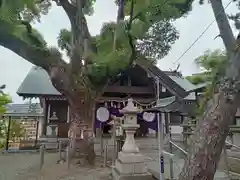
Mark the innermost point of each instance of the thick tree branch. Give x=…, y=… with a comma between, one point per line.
x=120, y=17
x=42, y=57
x=130, y=38
x=68, y=8
x=211, y=132
x=223, y=25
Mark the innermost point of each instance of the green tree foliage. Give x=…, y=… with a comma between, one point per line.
x=212, y=64
x=143, y=31
x=151, y=29
x=16, y=130
x=4, y=99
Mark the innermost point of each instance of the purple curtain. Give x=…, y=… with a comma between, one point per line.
x=115, y=111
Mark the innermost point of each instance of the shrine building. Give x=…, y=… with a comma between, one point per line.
x=138, y=82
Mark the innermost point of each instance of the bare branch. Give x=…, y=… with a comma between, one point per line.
x=217, y=36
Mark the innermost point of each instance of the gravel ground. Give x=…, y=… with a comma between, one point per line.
x=26, y=167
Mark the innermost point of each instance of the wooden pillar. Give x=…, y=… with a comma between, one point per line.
x=8, y=132
x=44, y=120
x=167, y=121
x=93, y=115
x=197, y=99
x=37, y=129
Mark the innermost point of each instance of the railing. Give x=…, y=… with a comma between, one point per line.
x=175, y=167
x=233, y=145
x=178, y=147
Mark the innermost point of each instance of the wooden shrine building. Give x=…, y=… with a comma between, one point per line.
x=138, y=83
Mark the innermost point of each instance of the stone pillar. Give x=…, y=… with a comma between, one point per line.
x=130, y=164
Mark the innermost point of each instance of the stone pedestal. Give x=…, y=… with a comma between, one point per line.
x=130, y=164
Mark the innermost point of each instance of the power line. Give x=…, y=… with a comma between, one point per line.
x=196, y=40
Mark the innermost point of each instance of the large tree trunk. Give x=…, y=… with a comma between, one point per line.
x=81, y=129
x=210, y=135
x=82, y=105
x=209, y=138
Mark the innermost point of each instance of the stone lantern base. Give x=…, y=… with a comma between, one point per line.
x=130, y=164
x=131, y=167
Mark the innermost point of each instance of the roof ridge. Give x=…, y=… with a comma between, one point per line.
x=166, y=80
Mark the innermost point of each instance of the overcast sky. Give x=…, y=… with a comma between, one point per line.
x=14, y=68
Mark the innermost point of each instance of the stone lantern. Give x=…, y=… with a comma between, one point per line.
x=130, y=164
x=53, y=120
x=130, y=126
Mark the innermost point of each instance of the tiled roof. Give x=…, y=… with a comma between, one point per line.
x=171, y=104
x=33, y=109
x=164, y=78
x=37, y=82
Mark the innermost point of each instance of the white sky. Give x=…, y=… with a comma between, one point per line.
x=14, y=68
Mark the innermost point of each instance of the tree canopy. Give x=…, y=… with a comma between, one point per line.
x=212, y=64
x=151, y=31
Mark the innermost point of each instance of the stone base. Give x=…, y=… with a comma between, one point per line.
x=131, y=157
x=131, y=166
x=119, y=176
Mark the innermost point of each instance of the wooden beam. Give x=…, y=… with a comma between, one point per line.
x=129, y=89
x=140, y=100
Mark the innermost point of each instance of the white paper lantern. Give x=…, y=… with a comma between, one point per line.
x=149, y=117
x=103, y=114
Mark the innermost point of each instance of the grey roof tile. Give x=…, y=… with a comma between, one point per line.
x=33, y=109
x=37, y=82
x=184, y=83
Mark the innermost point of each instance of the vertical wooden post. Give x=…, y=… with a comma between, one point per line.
x=60, y=150
x=37, y=129
x=8, y=132
x=114, y=143
x=42, y=149
x=101, y=139
x=105, y=155
x=68, y=156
